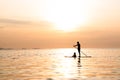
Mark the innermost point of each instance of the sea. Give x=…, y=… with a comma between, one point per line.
x=57, y=64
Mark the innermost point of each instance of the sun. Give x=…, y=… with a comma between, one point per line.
x=66, y=15
x=67, y=24
x=64, y=25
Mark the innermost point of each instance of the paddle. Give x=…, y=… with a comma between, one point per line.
x=86, y=55
x=83, y=53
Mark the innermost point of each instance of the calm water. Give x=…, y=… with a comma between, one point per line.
x=51, y=64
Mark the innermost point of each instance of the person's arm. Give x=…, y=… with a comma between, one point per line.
x=74, y=45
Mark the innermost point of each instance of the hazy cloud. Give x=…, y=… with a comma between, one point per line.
x=1, y=26
x=13, y=21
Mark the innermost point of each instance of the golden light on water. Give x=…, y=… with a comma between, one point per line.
x=51, y=64
x=67, y=66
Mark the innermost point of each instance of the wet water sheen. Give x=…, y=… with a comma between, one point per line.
x=51, y=64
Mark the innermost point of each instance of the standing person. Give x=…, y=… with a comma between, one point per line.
x=78, y=47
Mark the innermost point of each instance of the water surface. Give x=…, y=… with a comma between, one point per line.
x=51, y=64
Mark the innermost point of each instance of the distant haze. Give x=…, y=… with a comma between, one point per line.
x=59, y=24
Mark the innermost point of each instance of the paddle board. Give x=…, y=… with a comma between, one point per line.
x=78, y=57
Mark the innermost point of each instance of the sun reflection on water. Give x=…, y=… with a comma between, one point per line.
x=68, y=66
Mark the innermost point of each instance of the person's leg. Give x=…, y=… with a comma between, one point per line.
x=79, y=52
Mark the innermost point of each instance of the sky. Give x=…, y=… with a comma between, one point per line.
x=59, y=23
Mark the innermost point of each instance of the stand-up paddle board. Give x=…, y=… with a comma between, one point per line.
x=78, y=57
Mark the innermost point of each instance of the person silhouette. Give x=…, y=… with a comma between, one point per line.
x=74, y=55
x=78, y=47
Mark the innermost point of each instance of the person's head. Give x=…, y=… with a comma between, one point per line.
x=74, y=53
x=77, y=42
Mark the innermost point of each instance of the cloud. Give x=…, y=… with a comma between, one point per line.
x=1, y=27
x=13, y=21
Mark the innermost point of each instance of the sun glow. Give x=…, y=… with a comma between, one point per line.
x=68, y=23
x=67, y=15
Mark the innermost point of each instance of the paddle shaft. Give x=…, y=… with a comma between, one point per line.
x=82, y=52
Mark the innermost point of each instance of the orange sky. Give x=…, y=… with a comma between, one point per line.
x=59, y=23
